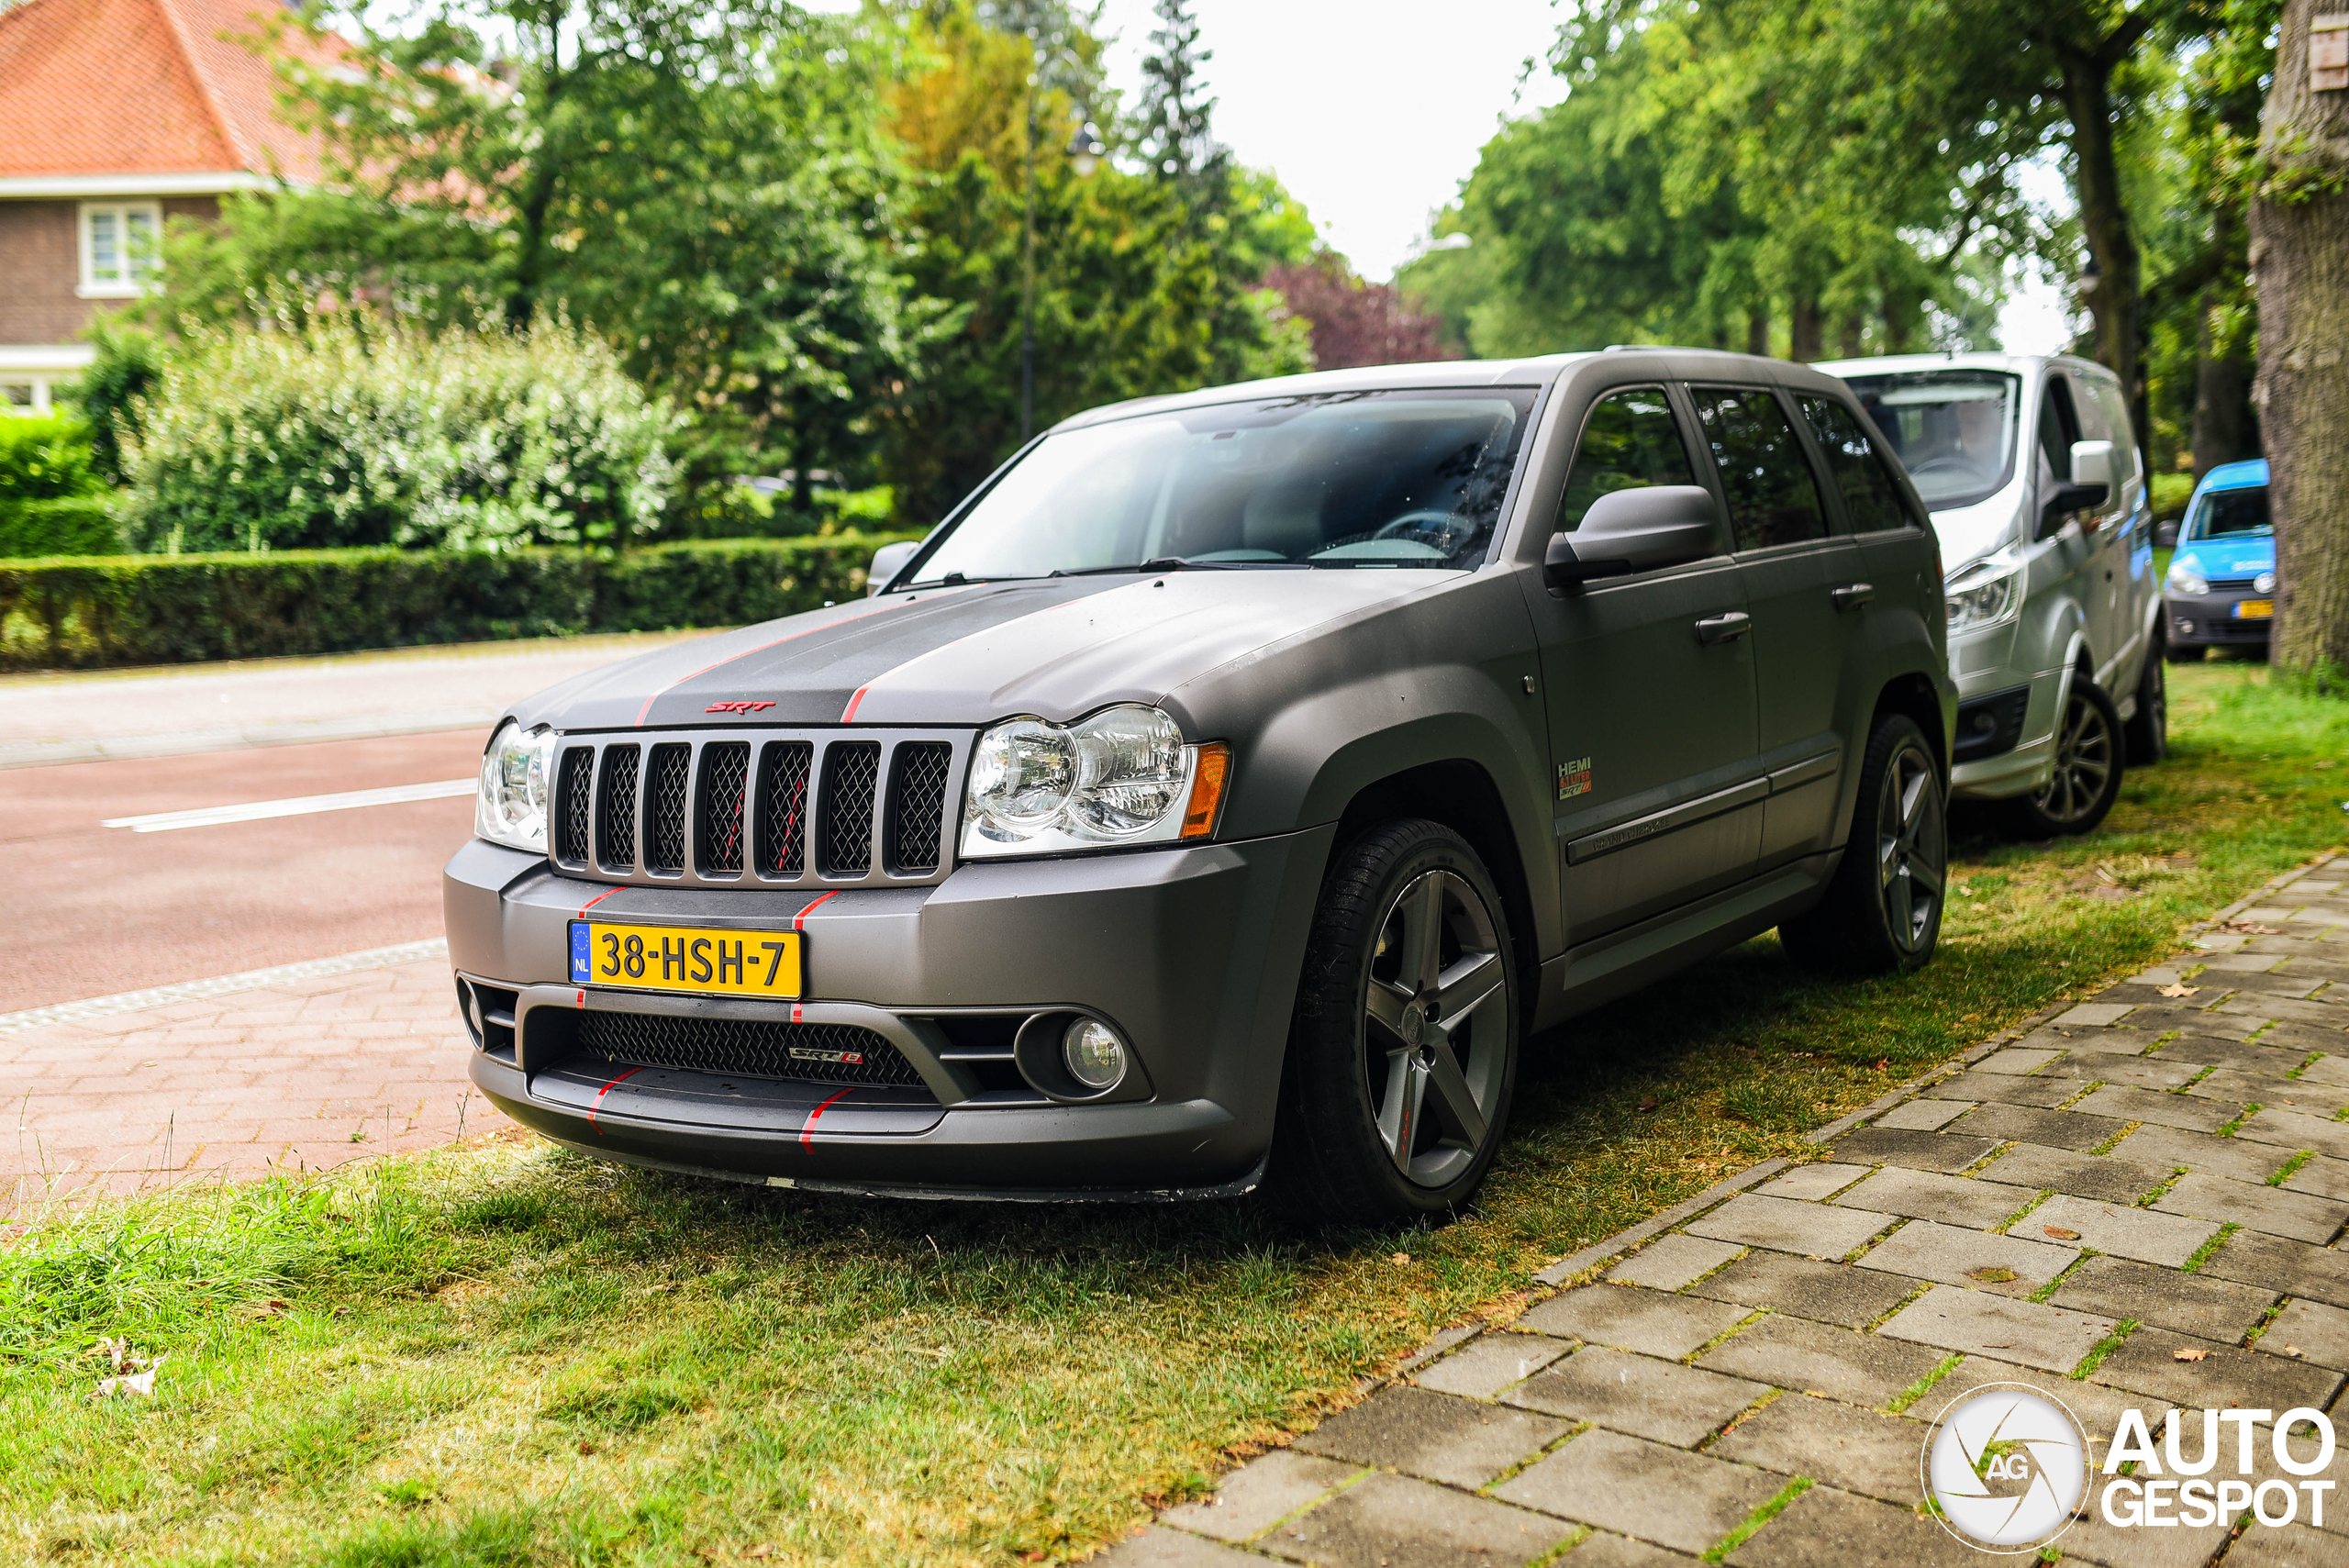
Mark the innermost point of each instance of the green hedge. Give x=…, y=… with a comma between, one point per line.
x=73, y=525
x=149, y=609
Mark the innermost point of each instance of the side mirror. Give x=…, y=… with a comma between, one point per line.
x=1636, y=530
x=2092, y=463
x=2068, y=497
x=887, y=561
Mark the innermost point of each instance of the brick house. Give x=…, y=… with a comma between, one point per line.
x=115, y=115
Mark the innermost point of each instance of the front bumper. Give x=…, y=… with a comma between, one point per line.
x=1192, y=954
x=2208, y=620
x=2015, y=756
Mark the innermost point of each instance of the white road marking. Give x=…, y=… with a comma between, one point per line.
x=300, y=806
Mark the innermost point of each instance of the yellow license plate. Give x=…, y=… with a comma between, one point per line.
x=685, y=958
x=2254, y=610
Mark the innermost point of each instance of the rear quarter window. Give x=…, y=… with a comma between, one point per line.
x=1872, y=497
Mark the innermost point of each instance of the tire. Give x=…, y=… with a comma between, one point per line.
x=2087, y=777
x=1882, y=914
x=1368, y=1070
x=2188, y=655
x=2147, y=735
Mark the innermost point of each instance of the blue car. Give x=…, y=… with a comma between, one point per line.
x=2220, y=592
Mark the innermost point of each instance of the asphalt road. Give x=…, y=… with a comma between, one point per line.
x=99, y=910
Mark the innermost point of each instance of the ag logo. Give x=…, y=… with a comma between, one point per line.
x=2005, y=1466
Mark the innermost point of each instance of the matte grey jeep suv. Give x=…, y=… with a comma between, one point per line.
x=1225, y=788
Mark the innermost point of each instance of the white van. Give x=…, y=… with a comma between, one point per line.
x=2032, y=471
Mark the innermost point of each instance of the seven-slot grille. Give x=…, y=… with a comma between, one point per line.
x=744, y=807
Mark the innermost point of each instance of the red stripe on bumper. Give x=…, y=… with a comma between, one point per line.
x=808, y=1133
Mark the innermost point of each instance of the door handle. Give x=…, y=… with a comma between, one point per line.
x=1724, y=628
x=1851, y=596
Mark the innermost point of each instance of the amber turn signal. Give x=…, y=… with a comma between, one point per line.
x=1209, y=776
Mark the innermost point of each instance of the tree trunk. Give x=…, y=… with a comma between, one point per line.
x=2223, y=420
x=1808, y=342
x=2113, y=303
x=1852, y=336
x=1758, y=333
x=2299, y=260
x=1900, y=310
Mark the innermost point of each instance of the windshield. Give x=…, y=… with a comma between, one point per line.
x=2229, y=514
x=1954, y=429
x=1373, y=479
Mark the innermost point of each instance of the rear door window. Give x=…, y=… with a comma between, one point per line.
x=1630, y=441
x=1872, y=499
x=1772, y=491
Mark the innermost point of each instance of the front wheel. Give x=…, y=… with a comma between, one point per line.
x=1402, y=1054
x=2148, y=732
x=1882, y=914
x=2087, y=776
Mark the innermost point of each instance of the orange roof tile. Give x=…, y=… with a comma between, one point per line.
x=124, y=87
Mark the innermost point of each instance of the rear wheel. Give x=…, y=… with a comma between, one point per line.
x=2148, y=732
x=1882, y=914
x=1402, y=1055
x=2087, y=776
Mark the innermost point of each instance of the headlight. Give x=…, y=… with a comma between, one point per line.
x=2184, y=579
x=1982, y=594
x=1123, y=776
x=512, y=807
x=2264, y=583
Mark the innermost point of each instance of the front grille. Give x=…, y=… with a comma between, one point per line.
x=917, y=797
x=850, y=770
x=724, y=767
x=2230, y=584
x=743, y=809
x=822, y=1054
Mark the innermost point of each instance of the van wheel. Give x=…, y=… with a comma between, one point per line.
x=2087, y=778
x=2148, y=732
x=1402, y=1053
x=1882, y=914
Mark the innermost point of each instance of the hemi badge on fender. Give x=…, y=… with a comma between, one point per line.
x=1574, y=778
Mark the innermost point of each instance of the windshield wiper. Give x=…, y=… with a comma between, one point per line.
x=1156, y=563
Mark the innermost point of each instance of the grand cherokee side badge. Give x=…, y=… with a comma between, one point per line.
x=1574, y=778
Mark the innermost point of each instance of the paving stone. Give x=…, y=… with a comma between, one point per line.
x=1159, y=1548
x=1599, y=1549
x=2137, y=1072
x=1432, y=1435
x=1808, y=1357
x=1923, y=1249
x=2147, y=1363
x=2296, y=1129
x=2171, y=1147
x=1824, y=1525
x=2090, y=1539
x=2304, y=1217
x=1630, y=1318
x=1684, y=1500
x=1402, y=1523
x=1827, y=1293
x=2014, y=1060
x=2007, y=1088
x=1639, y=1395
x=1924, y=1115
x=2084, y=1175
x=2282, y=1265
x=1669, y=1262
x=1488, y=1363
x=2324, y=1177
x=1860, y=1450
x=2297, y=1040
x=2120, y=1228
x=1809, y=1229
x=2196, y=1114
x=2294, y=1545
x=1260, y=1494
x=2102, y=1043
x=2190, y=1304
x=2319, y=1334
x=2098, y=1409
x=2025, y=1124
x=2026, y=1332
x=2094, y=1014
x=2241, y=963
x=2328, y=1069
x=1929, y=1195
x=2234, y=1087
x=2185, y=1025
x=1806, y=1183
x=2212, y=1050
x=1918, y=1150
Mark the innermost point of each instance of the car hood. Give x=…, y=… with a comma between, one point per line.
x=1969, y=533
x=1055, y=648
x=2208, y=558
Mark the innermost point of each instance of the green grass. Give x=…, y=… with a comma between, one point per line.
x=506, y=1355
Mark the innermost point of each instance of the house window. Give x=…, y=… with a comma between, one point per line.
x=120, y=241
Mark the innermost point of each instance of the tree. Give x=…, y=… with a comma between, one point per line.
x=2299, y=251
x=1354, y=322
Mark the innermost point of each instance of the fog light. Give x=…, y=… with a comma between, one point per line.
x=2186, y=628
x=1092, y=1053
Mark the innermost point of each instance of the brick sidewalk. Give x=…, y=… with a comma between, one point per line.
x=2162, y=1168
x=305, y=1072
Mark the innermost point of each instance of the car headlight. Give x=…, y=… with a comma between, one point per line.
x=1123, y=776
x=2184, y=579
x=1982, y=594
x=511, y=809
x=2264, y=583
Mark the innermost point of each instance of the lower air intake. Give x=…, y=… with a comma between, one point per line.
x=822, y=1054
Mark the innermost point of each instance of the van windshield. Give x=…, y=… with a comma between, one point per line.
x=2229, y=514
x=1358, y=479
x=1954, y=429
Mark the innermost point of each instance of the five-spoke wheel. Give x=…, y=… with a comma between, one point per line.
x=1882, y=909
x=1434, y=1035
x=2086, y=778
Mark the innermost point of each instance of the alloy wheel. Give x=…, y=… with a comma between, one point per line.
x=1912, y=848
x=1435, y=1026
x=2085, y=754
